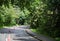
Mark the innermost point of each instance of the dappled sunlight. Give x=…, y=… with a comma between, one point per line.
x=42, y=16
x=16, y=33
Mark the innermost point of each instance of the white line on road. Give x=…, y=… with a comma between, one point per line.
x=8, y=38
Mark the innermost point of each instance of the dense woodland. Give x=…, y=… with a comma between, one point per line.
x=42, y=15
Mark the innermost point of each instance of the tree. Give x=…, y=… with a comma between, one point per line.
x=47, y=20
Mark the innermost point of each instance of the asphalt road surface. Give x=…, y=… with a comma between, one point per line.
x=15, y=33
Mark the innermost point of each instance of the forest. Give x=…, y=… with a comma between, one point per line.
x=43, y=16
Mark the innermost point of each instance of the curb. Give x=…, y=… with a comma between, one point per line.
x=38, y=37
x=33, y=35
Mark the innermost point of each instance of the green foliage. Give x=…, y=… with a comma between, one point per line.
x=57, y=39
x=44, y=17
x=7, y=15
x=24, y=15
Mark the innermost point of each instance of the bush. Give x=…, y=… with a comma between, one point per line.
x=45, y=17
x=8, y=15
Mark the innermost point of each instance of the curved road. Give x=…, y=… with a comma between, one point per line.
x=15, y=33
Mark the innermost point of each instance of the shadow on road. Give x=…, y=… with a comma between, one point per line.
x=7, y=31
x=16, y=33
x=13, y=30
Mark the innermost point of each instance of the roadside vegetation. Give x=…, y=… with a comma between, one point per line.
x=42, y=15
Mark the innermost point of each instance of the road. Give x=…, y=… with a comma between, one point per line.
x=15, y=33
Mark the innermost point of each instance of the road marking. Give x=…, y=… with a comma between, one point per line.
x=8, y=38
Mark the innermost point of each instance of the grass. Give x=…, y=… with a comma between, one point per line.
x=57, y=39
x=36, y=31
x=8, y=26
x=1, y=26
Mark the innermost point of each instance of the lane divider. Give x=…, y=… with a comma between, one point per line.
x=8, y=38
